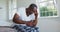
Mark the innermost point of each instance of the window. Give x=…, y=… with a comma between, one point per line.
x=47, y=8
x=12, y=8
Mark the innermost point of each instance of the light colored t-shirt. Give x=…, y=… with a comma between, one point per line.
x=22, y=13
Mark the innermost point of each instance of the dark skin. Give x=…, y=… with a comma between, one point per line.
x=28, y=12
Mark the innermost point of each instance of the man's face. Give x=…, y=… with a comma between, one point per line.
x=35, y=10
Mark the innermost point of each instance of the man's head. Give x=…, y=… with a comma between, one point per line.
x=33, y=7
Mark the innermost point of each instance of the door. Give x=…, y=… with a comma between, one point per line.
x=3, y=10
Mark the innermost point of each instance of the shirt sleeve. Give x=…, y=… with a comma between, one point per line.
x=12, y=14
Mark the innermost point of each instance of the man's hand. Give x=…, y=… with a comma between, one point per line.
x=29, y=23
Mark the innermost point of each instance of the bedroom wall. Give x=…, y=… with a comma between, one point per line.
x=24, y=3
x=4, y=13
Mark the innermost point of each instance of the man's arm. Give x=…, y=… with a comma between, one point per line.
x=17, y=20
x=35, y=21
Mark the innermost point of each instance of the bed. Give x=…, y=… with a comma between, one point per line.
x=7, y=29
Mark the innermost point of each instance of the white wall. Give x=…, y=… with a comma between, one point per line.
x=4, y=13
x=3, y=10
x=24, y=3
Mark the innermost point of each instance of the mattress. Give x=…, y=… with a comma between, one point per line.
x=7, y=29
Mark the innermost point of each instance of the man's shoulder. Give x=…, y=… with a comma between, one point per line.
x=21, y=11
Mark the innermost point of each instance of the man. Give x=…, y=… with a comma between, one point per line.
x=28, y=19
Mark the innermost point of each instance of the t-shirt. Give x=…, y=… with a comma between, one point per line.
x=22, y=13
